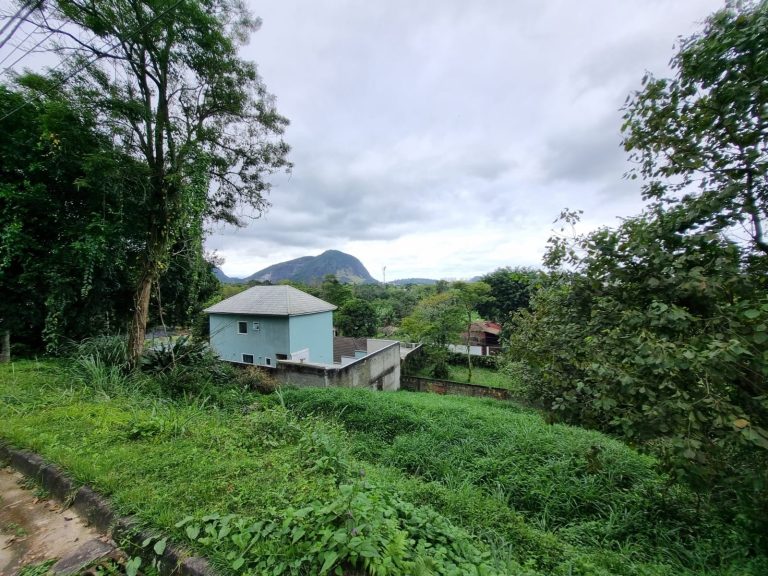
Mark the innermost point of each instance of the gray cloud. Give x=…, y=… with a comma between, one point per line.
x=442, y=138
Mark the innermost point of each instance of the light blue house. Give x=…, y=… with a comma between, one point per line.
x=265, y=324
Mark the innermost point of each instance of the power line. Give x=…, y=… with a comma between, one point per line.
x=27, y=53
x=102, y=53
x=19, y=45
x=27, y=7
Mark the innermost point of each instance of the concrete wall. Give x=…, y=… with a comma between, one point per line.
x=269, y=340
x=315, y=333
x=415, y=384
x=379, y=370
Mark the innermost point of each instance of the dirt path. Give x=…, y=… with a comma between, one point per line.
x=33, y=530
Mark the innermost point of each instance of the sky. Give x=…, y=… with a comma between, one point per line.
x=442, y=138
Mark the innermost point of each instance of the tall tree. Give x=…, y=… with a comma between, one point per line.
x=707, y=127
x=356, y=318
x=511, y=290
x=468, y=297
x=436, y=322
x=165, y=78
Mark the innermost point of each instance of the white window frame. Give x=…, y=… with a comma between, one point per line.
x=256, y=326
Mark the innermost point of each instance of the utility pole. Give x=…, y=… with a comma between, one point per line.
x=384, y=275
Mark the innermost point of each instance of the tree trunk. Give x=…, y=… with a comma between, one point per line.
x=469, y=352
x=139, y=321
x=5, y=347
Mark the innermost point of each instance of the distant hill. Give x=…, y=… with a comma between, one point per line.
x=224, y=279
x=309, y=269
x=407, y=281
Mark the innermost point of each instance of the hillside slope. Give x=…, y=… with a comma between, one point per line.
x=309, y=269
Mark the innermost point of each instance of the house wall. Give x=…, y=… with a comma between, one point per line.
x=271, y=338
x=313, y=332
x=378, y=370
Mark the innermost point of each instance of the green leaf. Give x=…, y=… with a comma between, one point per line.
x=330, y=558
x=160, y=546
x=132, y=566
x=181, y=523
x=751, y=313
x=237, y=564
x=193, y=531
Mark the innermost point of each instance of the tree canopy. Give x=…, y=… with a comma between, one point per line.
x=165, y=80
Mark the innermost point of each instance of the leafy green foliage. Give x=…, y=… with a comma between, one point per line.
x=356, y=318
x=486, y=463
x=61, y=179
x=706, y=127
x=660, y=337
x=175, y=94
x=511, y=290
x=436, y=322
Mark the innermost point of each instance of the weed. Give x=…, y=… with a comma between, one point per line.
x=39, y=569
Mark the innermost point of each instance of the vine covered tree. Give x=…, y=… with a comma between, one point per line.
x=61, y=179
x=166, y=80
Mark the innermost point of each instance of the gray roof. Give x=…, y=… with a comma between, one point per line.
x=271, y=301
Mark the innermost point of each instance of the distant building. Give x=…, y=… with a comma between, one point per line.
x=291, y=332
x=483, y=339
x=265, y=324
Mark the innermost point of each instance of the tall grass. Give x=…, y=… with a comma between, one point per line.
x=488, y=465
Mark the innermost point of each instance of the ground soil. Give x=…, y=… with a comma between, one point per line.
x=34, y=528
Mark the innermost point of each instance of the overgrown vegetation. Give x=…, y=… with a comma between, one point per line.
x=657, y=330
x=311, y=481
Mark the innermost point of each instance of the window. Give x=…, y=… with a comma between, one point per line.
x=281, y=356
x=256, y=327
x=247, y=358
x=242, y=327
x=269, y=361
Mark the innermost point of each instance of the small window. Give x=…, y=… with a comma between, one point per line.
x=281, y=356
x=269, y=361
x=256, y=327
x=247, y=358
x=242, y=327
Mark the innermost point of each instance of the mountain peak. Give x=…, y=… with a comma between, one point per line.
x=309, y=269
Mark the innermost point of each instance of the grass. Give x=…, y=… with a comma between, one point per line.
x=306, y=478
x=480, y=376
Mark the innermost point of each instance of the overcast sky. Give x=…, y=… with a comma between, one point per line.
x=441, y=138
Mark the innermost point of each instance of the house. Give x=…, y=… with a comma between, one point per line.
x=484, y=333
x=483, y=339
x=265, y=324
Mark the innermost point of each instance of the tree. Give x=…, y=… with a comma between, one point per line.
x=356, y=318
x=468, y=297
x=510, y=290
x=333, y=291
x=659, y=337
x=165, y=79
x=436, y=322
x=658, y=331
x=707, y=127
x=68, y=219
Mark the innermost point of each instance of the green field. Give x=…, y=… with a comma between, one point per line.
x=310, y=481
x=480, y=376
